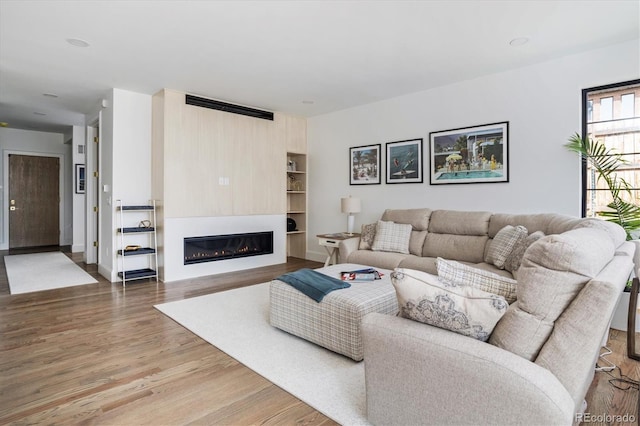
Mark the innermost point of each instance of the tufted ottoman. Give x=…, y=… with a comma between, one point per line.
x=333, y=323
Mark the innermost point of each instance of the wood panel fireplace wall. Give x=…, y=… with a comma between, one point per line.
x=223, y=247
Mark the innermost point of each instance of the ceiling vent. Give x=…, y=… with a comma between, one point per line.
x=223, y=106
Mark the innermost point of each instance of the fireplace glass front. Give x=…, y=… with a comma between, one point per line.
x=222, y=247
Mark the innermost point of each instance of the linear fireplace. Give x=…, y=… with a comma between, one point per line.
x=222, y=247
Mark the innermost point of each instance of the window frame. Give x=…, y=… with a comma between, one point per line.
x=585, y=123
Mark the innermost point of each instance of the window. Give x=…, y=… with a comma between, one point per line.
x=626, y=102
x=606, y=109
x=611, y=118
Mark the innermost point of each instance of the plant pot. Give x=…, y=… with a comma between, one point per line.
x=621, y=314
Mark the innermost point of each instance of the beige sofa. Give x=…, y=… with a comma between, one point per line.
x=539, y=361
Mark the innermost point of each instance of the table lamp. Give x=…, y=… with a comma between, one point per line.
x=350, y=206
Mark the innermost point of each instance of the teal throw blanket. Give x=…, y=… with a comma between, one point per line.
x=312, y=283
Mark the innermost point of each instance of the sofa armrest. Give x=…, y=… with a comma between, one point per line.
x=418, y=374
x=347, y=247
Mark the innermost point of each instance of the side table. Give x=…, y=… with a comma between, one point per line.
x=331, y=242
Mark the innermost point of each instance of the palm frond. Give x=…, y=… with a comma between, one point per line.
x=606, y=163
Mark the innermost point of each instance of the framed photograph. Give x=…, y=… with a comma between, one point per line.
x=80, y=178
x=365, y=165
x=404, y=161
x=478, y=154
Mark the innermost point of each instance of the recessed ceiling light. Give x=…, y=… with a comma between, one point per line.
x=50, y=95
x=39, y=113
x=307, y=102
x=519, y=41
x=77, y=42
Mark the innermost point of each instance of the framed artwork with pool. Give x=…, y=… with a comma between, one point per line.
x=478, y=154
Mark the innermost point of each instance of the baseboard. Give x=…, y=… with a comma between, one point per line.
x=109, y=274
x=316, y=256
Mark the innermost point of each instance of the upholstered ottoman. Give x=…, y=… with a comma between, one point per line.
x=334, y=323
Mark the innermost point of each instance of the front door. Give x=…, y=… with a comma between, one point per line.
x=34, y=201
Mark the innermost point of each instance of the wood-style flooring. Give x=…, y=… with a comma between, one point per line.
x=101, y=354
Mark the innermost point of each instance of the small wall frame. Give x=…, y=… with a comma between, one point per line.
x=364, y=163
x=404, y=161
x=80, y=179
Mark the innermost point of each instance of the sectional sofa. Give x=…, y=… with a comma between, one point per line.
x=537, y=364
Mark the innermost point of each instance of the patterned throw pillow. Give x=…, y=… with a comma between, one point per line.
x=392, y=237
x=367, y=235
x=464, y=310
x=502, y=244
x=515, y=257
x=459, y=274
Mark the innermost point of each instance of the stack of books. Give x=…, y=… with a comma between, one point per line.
x=368, y=274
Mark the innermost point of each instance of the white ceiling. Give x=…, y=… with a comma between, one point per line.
x=278, y=55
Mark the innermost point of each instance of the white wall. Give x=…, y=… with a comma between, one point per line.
x=78, y=220
x=125, y=166
x=542, y=104
x=37, y=143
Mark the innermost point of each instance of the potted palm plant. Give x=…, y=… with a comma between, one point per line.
x=606, y=163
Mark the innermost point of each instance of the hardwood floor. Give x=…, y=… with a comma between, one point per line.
x=100, y=354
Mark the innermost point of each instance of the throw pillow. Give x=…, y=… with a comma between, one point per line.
x=459, y=274
x=367, y=236
x=502, y=244
x=392, y=237
x=512, y=263
x=464, y=310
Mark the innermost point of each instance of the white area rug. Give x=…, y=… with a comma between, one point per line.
x=43, y=271
x=237, y=322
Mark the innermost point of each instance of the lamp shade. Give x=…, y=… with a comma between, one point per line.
x=350, y=205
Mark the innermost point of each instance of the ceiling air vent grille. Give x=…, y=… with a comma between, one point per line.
x=223, y=106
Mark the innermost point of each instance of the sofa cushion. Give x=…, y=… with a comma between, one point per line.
x=462, y=275
x=464, y=310
x=553, y=271
x=491, y=268
x=615, y=232
x=416, y=242
x=424, y=264
x=367, y=235
x=512, y=263
x=503, y=243
x=457, y=235
x=417, y=218
x=393, y=237
x=459, y=222
x=379, y=259
x=465, y=248
x=549, y=223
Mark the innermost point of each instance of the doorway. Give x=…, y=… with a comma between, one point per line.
x=92, y=193
x=34, y=201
